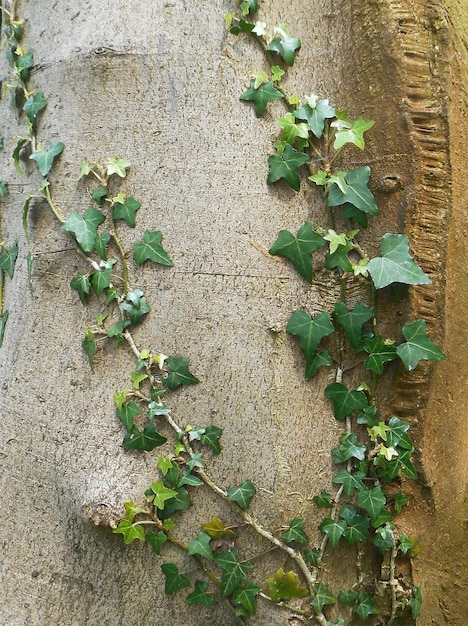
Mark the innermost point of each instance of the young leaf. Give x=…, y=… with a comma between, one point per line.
x=89, y=346
x=356, y=191
x=156, y=540
x=127, y=211
x=261, y=96
x=371, y=500
x=158, y=494
x=147, y=440
x=417, y=346
x=242, y=494
x=174, y=580
x=315, y=115
x=151, y=249
x=21, y=143
x=84, y=228
x=179, y=373
x=179, y=502
x=352, y=321
x=45, y=158
x=322, y=597
x=310, y=331
x=135, y=306
x=117, y=166
x=296, y=532
x=352, y=132
x=8, y=259
x=216, y=529
x=130, y=531
x=199, y=595
x=396, y=265
x=201, y=546
x=345, y=401
x=285, y=45
x=298, y=249
x=291, y=129
x=285, y=586
x=287, y=166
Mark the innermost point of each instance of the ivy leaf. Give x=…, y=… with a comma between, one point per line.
x=130, y=531
x=45, y=158
x=357, y=526
x=3, y=321
x=208, y=436
x=34, y=105
x=180, y=502
x=345, y=401
x=101, y=243
x=117, y=166
x=416, y=601
x=324, y=500
x=201, y=546
x=217, y=530
x=8, y=259
x=357, y=192
x=199, y=595
x=100, y=279
x=296, y=532
x=22, y=142
x=179, y=373
x=315, y=115
x=233, y=571
x=242, y=494
x=347, y=597
x=245, y=597
x=348, y=449
x=23, y=64
x=151, y=249
x=89, y=346
x=242, y=26
x=406, y=544
x=371, y=500
x=321, y=359
x=400, y=501
x=285, y=45
x=188, y=478
x=117, y=329
x=417, y=346
x=352, y=321
x=322, y=597
x=248, y=7
x=351, y=132
x=135, y=306
x=158, y=494
x=285, y=586
x=261, y=96
x=379, y=353
x=396, y=265
x=84, y=228
x=333, y=530
x=291, y=129
x=298, y=249
x=127, y=211
x=156, y=540
x=312, y=556
x=350, y=481
x=365, y=606
x=174, y=580
x=127, y=414
x=147, y=440
x=99, y=193
x=340, y=258
x=310, y=331
x=287, y=166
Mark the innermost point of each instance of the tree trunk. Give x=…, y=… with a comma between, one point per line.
x=158, y=83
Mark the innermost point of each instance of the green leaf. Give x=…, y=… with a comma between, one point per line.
x=33, y=105
x=417, y=346
x=242, y=494
x=296, y=532
x=3, y=321
x=324, y=500
x=174, y=580
x=340, y=258
x=261, y=96
x=82, y=285
x=8, y=259
x=151, y=249
x=285, y=586
x=357, y=192
x=233, y=571
x=322, y=597
x=310, y=331
x=22, y=142
x=89, y=346
x=312, y=556
x=348, y=449
x=3, y=188
x=130, y=531
x=345, y=401
x=131, y=510
x=351, y=132
x=291, y=129
x=315, y=115
x=117, y=329
x=406, y=544
x=117, y=166
x=201, y=546
x=101, y=243
x=396, y=264
x=127, y=414
x=379, y=353
x=352, y=321
x=287, y=166
x=217, y=530
x=357, y=526
x=189, y=479
x=99, y=193
x=127, y=211
x=241, y=27
x=416, y=601
x=333, y=530
x=23, y=63
x=156, y=540
x=365, y=606
x=350, y=481
x=147, y=440
x=321, y=359
x=45, y=158
x=180, y=502
x=199, y=595
x=210, y=437
x=84, y=228
x=249, y=7
x=371, y=500
x=245, y=597
x=158, y=494
x=135, y=306
x=101, y=279
x=179, y=373
x=396, y=435
x=400, y=501
x=298, y=249
x=347, y=597
x=285, y=45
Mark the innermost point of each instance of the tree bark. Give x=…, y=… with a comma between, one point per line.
x=159, y=83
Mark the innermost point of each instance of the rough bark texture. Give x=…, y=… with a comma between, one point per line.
x=159, y=83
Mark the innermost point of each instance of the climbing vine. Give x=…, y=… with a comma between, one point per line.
x=372, y=452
